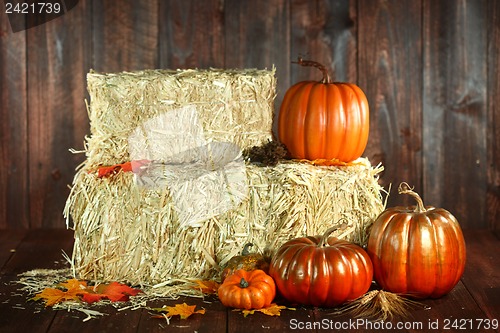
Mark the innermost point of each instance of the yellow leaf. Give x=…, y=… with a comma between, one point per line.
x=271, y=310
x=74, y=285
x=207, y=286
x=247, y=312
x=74, y=289
x=53, y=296
x=183, y=310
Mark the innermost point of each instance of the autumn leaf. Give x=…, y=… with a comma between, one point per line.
x=114, y=291
x=271, y=310
x=206, y=286
x=183, y=310
x=74, y=284
x=74, y=289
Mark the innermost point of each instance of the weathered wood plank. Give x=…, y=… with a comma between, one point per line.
x=124, y=35
x=9, y=241
x=493, y=129
x=288, y=321
x=440, y=313
x=390, y=72
x=57, y=58
x=126, y=321
x=324, y=31
x=214, y=319
x=254, y=40
x=13, y=126
x=482, y=273
x=39, y=249
x=454, y=108
x=191, y=34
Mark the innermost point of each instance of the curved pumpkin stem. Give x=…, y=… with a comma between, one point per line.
x=404, y=188
x=244, y=283
x=246, y=249
x=310, y=63
x=324, y=239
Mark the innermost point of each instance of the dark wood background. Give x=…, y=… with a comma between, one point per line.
x=430, y=70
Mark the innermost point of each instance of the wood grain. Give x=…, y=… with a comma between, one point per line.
x=39, y=249
x=191, y=34
x=482, y=274
x=213, y=320
x=9, y=243
x=324, y=31
x=454, y=108
x=493, y=129
x=390, y=72
x=14, y=201
x=259, y=41
x=124, y=35
x=57, y=61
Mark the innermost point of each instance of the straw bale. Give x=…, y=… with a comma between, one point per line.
x=131, y=233
x=124, y=232
x=233, y=106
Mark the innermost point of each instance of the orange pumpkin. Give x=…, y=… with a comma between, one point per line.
x=417, y=251
x=321, y=270
x=324, y=120
x=247, y=290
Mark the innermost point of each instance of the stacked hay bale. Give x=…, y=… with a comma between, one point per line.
x=125, y=232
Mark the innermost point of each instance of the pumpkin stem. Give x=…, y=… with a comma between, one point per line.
x=324, y=239
x=322, y=68
x=404, y=188
x=246, y=249
x=243, y=283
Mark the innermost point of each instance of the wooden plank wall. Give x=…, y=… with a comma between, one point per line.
x=429, y=69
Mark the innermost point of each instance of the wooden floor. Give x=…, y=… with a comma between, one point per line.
x=470, y=307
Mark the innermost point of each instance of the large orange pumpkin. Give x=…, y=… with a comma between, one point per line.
x=418, y=251
x=321, y=270
x=324, y=120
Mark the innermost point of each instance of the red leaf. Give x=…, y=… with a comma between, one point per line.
x=114, y=291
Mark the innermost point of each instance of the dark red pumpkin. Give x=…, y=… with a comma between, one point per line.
x=418, y=250
x=324, y=120
x=321, y=270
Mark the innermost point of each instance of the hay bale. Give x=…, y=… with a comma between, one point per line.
x=131, y=233
x=233, y=106
x=128, y=233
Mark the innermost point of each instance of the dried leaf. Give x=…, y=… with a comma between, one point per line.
x=183, y=310
x=207, y=286
x=272, y=310
x=74, y=290
x=74, y=284
x=114, y=291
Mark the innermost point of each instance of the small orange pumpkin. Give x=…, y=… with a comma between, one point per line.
x=247, y=290
x=324, y=120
